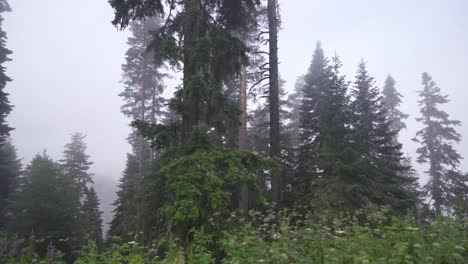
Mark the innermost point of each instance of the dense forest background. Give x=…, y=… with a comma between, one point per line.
x=227, y=146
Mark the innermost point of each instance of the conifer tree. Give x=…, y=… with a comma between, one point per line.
x=273, y=100
x=45, y=202
x=293, y=104
x=76, y=163
x=315, y=82
x=10, y=169
x=5, y=106
x=9, y=166
x=392, y=100
x=436, y=138
x=143, y=85
x=92, y=216
x=326, y=154
x=123, y=222
x=379, y=176
x=259, y=140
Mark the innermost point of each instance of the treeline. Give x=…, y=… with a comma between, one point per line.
x=52, y=203
x=331, y=147
x=231, y=158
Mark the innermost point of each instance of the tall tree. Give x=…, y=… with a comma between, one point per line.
x=315, y=82
x=379, y=176
x=436, y=139
x=76, y=163
x=243, y=144
x=92, y=216
x=199, y=37
x=45, y=202
x=275, y=148
x=392, y=100
x=326, y=154
x=10, y=169
x=5, y=106
x=259, y=141
x=143, y=85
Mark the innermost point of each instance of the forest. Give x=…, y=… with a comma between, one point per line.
x=229, y=166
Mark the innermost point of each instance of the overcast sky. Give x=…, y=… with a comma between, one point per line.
x=67, y=58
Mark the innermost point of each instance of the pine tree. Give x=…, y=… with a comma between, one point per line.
x=76, y=163
x=379, y=176
x=5, y=106
x=316, y=81
x=10, y=169
x=436, y=139
x=457, y=195
x=92, y=216
x=45, y=202
x=293, y=103
x=143, y=85
x=123, y=223
x=326, y=155
x=392, y=100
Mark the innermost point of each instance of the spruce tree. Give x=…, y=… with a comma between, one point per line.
x=316, y=81
x=5, y=106
x=379, y=176
x=123, y=222
x=392, y=100
x=325, y=153
x=92, y=216
x=76, y=163
x=436, y=138
x=45, y=202
x=10, y=169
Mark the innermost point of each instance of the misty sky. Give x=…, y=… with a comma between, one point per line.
x=67, y=58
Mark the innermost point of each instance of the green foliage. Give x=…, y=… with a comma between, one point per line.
x=367, y=236
x=345, y=241
x=46, y=203
x=436, y=139
x=76, y=163
x=10, y=169
x=92, y=216
x=201, y=179
x=123, y=222
x=5, y=106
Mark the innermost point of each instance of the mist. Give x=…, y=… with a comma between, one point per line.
x=67, y=57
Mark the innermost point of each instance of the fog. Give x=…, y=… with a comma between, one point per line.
x=67, y=58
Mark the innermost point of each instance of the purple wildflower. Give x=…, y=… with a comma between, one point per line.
x=32, y=237
x=51, y=251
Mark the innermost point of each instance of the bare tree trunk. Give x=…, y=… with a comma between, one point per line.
x=153, y=119
x=140, y=137
x=191, y=32
x=275, y=150
x=244, y=190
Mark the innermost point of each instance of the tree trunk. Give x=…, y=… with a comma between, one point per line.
x=191, y=31
x=153, y=118
x=274, y=101
x=140, y=137
x=244, y=191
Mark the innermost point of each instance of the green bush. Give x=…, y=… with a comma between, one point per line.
x=366, y=237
